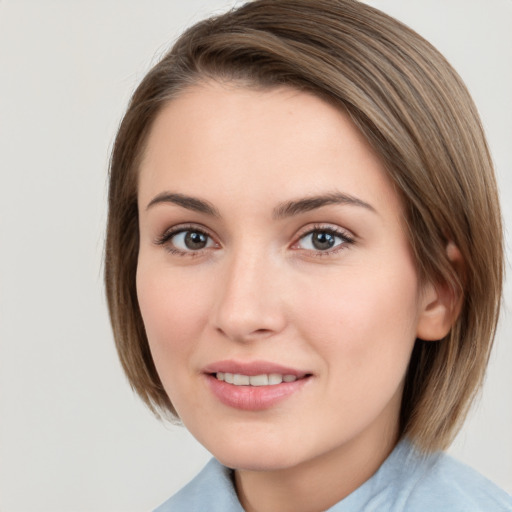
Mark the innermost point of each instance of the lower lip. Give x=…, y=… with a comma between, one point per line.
x=253, y=398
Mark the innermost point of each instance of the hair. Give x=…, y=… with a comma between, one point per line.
x=418, y=116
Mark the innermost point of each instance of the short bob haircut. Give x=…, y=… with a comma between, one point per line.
x=416, y=113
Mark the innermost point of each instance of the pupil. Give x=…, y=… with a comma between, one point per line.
x=322, y=240
x=195, y=240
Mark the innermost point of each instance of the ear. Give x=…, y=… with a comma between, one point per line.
x=440, y=303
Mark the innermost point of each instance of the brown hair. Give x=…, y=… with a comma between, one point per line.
x=417, y=114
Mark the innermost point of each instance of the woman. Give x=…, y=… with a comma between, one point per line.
x=296, y=263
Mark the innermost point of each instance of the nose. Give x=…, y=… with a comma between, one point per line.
x=250, y=302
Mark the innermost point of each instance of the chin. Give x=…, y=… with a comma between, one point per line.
x=255, y=461
x=253, y=455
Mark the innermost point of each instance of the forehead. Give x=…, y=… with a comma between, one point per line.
x=224, y=139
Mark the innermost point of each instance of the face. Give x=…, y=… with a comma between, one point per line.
x=277, y=287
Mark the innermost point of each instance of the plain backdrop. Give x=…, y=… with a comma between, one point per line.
x=73, y=437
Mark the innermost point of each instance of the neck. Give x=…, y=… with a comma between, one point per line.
x=319, y=483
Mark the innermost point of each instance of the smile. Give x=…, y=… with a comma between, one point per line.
x=239, y=379
x=254, y=386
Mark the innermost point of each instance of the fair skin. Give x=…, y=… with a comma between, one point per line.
x=238, y=273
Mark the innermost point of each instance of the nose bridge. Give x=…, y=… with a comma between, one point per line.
x=248, y=303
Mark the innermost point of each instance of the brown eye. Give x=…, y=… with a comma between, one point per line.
x=194, y=240
x=322, y=240
x=191, y=240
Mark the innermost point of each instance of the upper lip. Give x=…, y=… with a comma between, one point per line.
x=252, y=368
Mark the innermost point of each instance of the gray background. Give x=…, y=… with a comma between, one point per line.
x=73, y=437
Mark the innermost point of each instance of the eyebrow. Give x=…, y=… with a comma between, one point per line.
x=286, y=209
x=188, y=202
x=307, y=204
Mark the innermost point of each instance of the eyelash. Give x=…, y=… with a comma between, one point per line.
x=166, y=237
x=346, y=239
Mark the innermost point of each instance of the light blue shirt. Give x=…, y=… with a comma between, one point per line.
x=406, y=482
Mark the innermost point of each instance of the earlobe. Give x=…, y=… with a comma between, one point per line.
x=441, y=303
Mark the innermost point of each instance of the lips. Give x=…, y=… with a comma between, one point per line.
x=252, y=368
x=253, y=386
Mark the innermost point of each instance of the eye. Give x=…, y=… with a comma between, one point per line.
x=323, y=240
x=182, y=240
x=191, y=240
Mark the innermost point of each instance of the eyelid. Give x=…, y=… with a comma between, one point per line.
x=169, y=233
x=347, y=237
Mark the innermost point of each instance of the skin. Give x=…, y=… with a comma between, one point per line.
x=261, y=290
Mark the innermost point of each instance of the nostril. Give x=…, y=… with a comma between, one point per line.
x=249, y=335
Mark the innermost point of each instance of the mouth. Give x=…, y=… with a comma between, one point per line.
x=264, y=379
x=254, y=386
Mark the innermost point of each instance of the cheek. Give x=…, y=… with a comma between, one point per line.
x=174, y=313
x=365, y=325
x=174, y=310
x=360, y=299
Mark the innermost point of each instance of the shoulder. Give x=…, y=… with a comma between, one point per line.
x=212, y=489
x=451, y=484
x=440, y=482
x=409, y=481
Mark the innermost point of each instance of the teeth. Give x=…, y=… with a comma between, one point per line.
x=258, y=380
x=241, y=380
x=275, y=378
x=255, y=380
